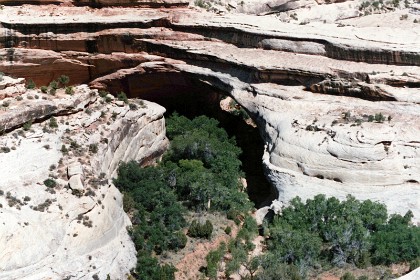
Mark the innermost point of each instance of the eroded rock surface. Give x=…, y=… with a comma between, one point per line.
x=76, y=228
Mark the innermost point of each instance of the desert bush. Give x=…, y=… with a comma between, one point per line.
x=69, y=90
x=64, y=149
x=200, y=230
x=379, y=117
x=213, y=259
x=177, y=241
x=30, y=84
x=122, y=97
x=53, y=122
x=5, y=150
x=53, y=85
x=63, y=80
x=348, y=276
x=93, y=148
x=50, y=183
x=26, y=126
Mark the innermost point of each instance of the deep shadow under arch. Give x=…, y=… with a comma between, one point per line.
x=192, y=97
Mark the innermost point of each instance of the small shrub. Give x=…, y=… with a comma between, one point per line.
x=103, y=93
x=133, y=107
x=5, y=149
x=371, y=118
x=53, y=122
x=6, y=103
x=64, y=149
x=93, y=148
x=312, y=128
x=19, y=98
x=177, y=241
x=64, y=80
x=27, y=125
x=122, y=97
x=347, y=115
x=69, y=90
x=50, y=183
x=199, y=230
x=31, y=84
x=379, y=118
x=142, y=104
x=74, y=145
x=52, y=91
x=347, y=276
x=44, y=89
x=53, y=85
x=228, y=230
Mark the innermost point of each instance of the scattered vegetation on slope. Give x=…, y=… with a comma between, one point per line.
x=323, y=233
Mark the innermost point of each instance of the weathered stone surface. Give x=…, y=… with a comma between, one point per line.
x=56, y=233
x=75, y=168
x=76, y=183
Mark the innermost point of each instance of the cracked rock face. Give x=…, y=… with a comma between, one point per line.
x=75, y=228
x=335, y=96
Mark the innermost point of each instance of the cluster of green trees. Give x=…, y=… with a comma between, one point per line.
x=322, y=233
x=199, y=172
x=348, y=231
x=331, y=232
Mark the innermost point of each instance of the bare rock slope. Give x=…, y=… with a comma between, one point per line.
x=60, y=214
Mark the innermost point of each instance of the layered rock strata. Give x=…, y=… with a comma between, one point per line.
x=72, y=226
